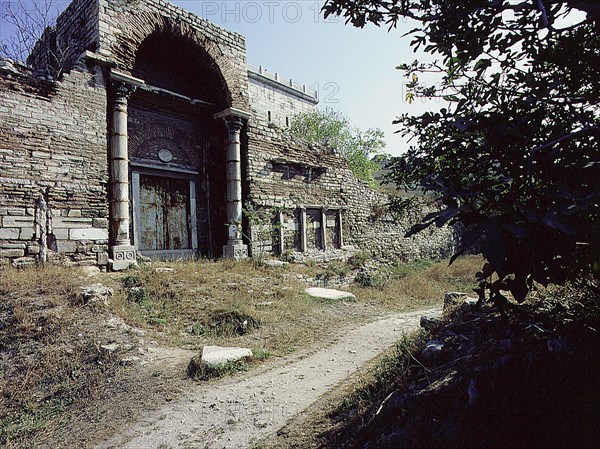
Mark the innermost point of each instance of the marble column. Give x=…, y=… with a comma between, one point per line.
x=340, y=228
x=235, y=247
x=324, y=229
x=303, y=229
x=281, y=230
x=122, y=251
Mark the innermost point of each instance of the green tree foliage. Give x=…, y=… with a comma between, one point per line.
x=332, y=128
x=514, y=157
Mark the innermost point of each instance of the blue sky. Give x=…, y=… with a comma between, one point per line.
x=352, y=69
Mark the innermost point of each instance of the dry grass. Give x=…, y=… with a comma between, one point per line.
x=410, y=286
x=222, y=302
x=49, y=340
x=44, y=365
x=215, y=302
x=49, y=280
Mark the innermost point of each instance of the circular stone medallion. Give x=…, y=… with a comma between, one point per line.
x=165, y=155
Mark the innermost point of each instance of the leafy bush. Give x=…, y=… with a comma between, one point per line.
x=331, y=128
x=514, y=157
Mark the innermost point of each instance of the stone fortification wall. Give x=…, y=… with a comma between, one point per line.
x=307, y=192
x=54, y=183
x=277, y=101
x=53, y=139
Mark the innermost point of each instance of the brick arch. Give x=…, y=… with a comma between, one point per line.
x=180, y=144
x=137, y=27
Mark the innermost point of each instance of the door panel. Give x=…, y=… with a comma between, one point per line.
x=313, y=229
x=164, y=213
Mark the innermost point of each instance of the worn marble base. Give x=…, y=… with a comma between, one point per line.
x=235, y=251
x=122, y=256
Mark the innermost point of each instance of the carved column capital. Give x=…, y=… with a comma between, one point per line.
x=232, y=113
x=122, y=91
x=123, y=85
x=234, y=124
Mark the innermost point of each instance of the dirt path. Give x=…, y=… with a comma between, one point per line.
x=236, y=412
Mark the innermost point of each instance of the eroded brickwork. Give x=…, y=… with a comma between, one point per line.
x=53, y=143
x=284, y=173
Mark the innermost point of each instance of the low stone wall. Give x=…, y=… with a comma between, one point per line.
x=313, y=203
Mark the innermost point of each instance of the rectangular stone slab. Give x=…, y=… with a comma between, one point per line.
x=218, y=355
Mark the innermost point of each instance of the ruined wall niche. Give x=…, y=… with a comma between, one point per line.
x=303, y=229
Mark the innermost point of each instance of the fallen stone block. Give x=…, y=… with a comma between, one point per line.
x=96, y=293
x=218, y=355
x=276, y=264
x=328, y=293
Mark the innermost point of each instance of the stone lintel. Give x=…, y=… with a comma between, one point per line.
x=125, y=78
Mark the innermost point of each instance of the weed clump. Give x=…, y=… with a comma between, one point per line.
x=358, y=260
x=227, y=323
x=372, y=279
x=334, y=269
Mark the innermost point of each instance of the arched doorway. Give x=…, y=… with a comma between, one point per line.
x=176, y=150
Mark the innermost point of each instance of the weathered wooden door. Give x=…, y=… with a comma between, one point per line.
x=164, y=213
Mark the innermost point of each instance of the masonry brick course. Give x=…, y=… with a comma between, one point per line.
x=53, y=139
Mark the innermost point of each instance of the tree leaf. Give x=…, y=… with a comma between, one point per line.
x=417, y=228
